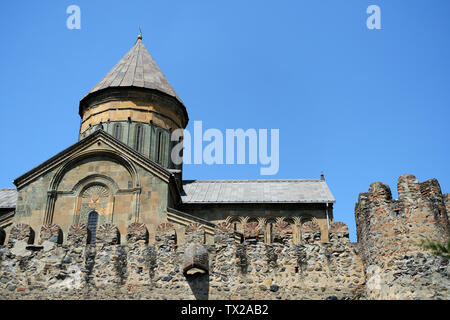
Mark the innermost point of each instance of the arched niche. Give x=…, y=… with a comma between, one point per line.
x=94, y=197
x=235, y=223
x=95, y=154
x=69, y=189
x=283, y=230
x=252, y=230
x=310, y=230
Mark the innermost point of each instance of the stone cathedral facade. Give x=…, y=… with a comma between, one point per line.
x=120, y=171
x=111, y=217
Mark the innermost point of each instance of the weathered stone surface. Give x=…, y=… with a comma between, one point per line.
x=136, y=232
x=52, y=233
x=195, y=259
x=108, y=233
x=310, y=231
x=21, y=232
x=389, y=232
x=386, y=263
x=78, y=234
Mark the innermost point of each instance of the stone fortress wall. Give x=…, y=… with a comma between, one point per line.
x=172, y=262
x=388, y=233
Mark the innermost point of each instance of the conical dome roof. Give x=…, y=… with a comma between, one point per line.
x=136, y=69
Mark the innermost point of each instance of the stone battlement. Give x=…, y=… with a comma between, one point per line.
x=386, y=225
x=165, y=267
x=389, y=231
x=281, y=261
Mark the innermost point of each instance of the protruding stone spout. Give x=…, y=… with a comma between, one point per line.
x=195, y=260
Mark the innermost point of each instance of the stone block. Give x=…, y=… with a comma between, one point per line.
x=108, y=234
x=52, y=233
x=137, y=232
x=21, y=232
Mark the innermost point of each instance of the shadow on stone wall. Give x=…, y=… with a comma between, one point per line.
x=199, y=284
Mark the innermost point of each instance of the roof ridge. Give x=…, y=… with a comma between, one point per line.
x=254, y=180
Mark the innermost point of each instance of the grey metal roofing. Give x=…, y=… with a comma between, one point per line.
x=8, y=198
x=136, y=69
x=256, y=191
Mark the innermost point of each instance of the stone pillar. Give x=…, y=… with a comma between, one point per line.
x=141, y=256
x=110, y=265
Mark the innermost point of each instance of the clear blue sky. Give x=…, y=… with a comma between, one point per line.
x=360, y=105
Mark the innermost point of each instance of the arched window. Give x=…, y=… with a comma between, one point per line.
x=116, y=131
x=92, y=225
x=159, y=155
x=138, y=138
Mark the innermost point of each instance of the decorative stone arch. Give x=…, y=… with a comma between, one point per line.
x=310, y=230
x=92, y=179
x=109, y=234
x=78, y=235
x=252, y=228
x=166, y=233
x=195, y=232
x=52, y=233
x=73, y=160
x=235, y=222
x=224, y=227
x=283, y=230
x=137, y=231
x=91, y=189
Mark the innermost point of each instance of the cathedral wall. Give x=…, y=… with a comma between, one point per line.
x=97, y=183
x=263, y=214
x=153, y=198
x=32, y=201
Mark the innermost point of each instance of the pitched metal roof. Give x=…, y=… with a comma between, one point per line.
x=256, y=191
x=8, y=198
x=136, y=69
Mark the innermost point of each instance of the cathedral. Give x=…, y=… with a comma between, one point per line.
x=120, y=172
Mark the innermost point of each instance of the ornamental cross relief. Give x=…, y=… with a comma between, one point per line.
x=93, y=198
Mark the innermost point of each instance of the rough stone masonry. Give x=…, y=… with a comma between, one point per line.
x=165, y=262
